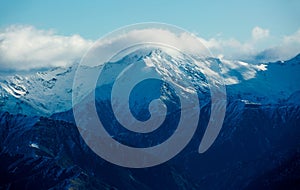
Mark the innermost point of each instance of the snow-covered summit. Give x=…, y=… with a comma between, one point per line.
x=48, y=92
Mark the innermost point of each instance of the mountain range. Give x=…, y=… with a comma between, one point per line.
x=258, y=146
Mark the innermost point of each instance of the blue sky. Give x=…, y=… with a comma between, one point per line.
x=36, y=34
x=92, y=19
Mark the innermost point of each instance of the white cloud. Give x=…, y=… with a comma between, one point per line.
x=25, y=48
x=294, y=38
x=229, y=48
x=235, y=49
x=288, y=48
x=259, y=33
x=232, y=43
x=182, y=41
x=257, y=47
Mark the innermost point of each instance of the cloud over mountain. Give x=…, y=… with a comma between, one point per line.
x=25, y=47
x=257, y=47
x=259, y=33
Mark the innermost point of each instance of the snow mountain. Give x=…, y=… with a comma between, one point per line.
x=49, y=92
x=41, y=93
x=257, y=148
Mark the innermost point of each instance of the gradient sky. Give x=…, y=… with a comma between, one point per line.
x=92, y=19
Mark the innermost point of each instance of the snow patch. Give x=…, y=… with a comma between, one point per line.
x=34, y=145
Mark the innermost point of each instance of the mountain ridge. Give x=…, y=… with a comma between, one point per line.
x=50, y=91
